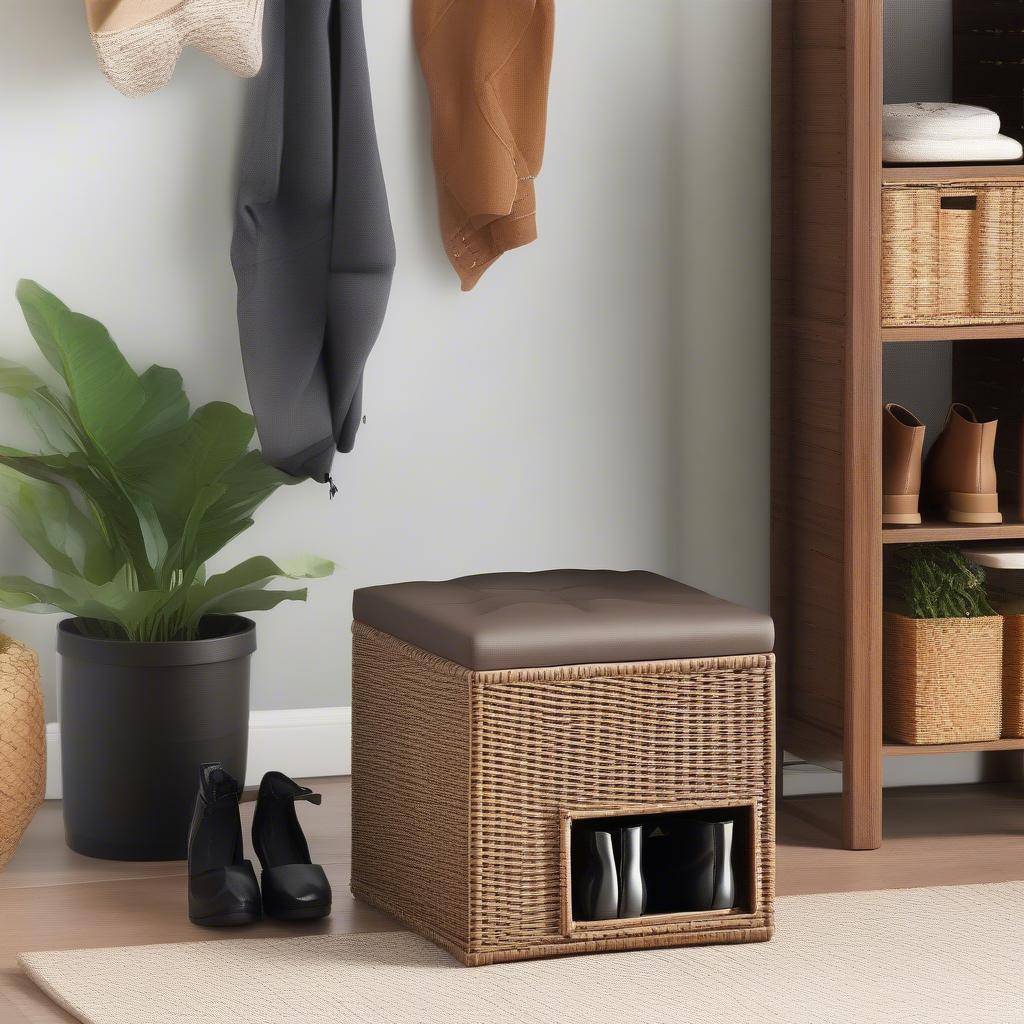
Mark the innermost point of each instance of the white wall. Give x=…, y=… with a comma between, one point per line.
x=600, y=399
x=722, y=287
x=918, y=50
x=526, y=425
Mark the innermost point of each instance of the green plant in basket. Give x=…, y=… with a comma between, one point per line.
x=936, y=581
x=131, y=492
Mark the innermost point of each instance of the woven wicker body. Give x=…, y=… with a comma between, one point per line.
x=1013, y=675
x=464, y=782
x=953, y=254
x=22, y=743
x=943, y=679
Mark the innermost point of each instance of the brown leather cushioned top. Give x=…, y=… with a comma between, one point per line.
x=562, y=617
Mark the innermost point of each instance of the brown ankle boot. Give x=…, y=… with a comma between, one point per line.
x=961, y=468
x=902, y=446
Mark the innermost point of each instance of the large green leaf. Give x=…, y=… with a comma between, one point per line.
x=171, y=470
x=240, y=601
x=46, y=410
x=54, y=428
x=18, y=380
x=246, y=486
x=107, y=393
x=44, y=467
x=183, y=556
x=153, y=536
x=23, y=594
x=253, y=575
x=115, y=600
x=114, y=514
x=166, y=406
x=26, y=594
x=55, y=527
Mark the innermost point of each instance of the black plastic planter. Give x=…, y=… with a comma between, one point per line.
x=136, y=721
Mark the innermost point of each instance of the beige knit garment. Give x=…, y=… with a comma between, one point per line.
x=138, y=42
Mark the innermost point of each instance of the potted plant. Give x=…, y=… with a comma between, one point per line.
x=129, y=496
x=943, y=650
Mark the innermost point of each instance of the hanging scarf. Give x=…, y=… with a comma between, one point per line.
x=313, y=250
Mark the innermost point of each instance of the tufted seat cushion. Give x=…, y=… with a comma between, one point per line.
x=562, y=617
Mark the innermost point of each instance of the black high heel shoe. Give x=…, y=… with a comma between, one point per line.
x=293, y=888
x=222, y=886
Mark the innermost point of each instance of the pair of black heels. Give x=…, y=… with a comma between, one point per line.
x=222, y=886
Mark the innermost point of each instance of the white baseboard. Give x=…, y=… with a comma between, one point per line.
x=304, y=743
x=948, y=769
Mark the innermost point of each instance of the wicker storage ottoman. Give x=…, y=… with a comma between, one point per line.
x=493, y=715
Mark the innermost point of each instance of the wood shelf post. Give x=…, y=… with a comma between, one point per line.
x=827, y=392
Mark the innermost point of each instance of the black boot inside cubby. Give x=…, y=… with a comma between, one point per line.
x=646, y=865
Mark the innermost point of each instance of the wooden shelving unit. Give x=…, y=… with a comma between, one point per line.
x=890, y=749
x=952, y=173
x=939, y=531
x=991, y=332
x=827, y=362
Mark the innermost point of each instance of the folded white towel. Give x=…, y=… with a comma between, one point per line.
x=913, y=121
x=951, y=151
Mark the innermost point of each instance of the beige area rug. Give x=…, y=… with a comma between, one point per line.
x=913, y=955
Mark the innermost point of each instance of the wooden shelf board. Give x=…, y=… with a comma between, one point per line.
x=893, y=749
x=936, y=531
x=953, y=173
x=985, y=332
x=811, y=743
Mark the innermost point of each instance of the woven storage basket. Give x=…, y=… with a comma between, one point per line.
x=464, y=783
x=943, y=679
x=22, y=743
x=1013, y=675
x=953, y=254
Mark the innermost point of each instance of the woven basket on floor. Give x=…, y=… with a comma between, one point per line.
x=953, y=254
x=943, y=679
x=465, y=783
x=1013, y=675
x=22, y=743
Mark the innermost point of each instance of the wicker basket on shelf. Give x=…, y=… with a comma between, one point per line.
x=943, y=679
x=1013, y=676
x=952, y=253
x=22, y=743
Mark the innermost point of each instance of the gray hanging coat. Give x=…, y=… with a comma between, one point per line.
x=313, y=250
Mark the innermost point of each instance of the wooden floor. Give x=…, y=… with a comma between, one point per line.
x=51, y=898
